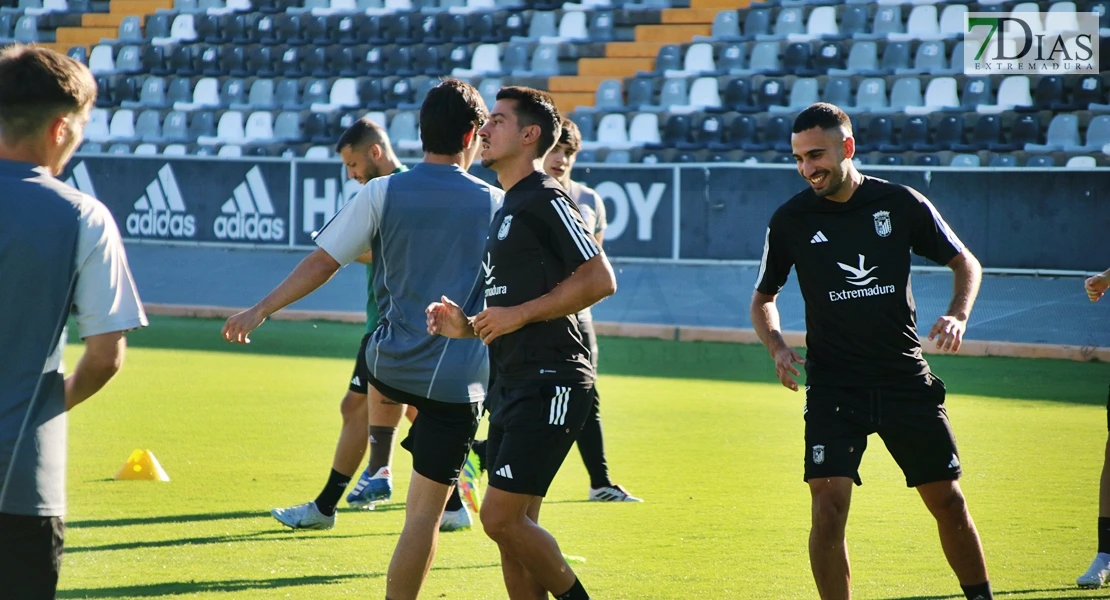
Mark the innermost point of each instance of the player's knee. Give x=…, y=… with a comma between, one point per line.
x=951, y=507
x=353, y=408
x=830, y=511
x=497, y=523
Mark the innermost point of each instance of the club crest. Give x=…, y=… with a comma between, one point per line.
x=818, y=454
x=882, y=223
x=504, y=231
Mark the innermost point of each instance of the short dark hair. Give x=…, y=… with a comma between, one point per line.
x=362, y=133
x=450, y=109
x=534, y=107
x=571, y=137
x=38, y=85
x=824, y=115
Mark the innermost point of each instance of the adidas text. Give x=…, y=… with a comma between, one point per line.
x=162, y=224
x=254, y=227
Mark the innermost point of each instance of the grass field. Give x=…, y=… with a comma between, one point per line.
x=701, y=431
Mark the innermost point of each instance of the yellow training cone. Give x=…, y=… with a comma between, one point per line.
x=142, y=465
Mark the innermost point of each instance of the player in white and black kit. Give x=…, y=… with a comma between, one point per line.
x=591, y=443
x=542, y=267
x=849, y=237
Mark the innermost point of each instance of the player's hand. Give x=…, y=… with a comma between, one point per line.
x=949, y=333
x=240, y=325
x=1096, y=286
x=447, y=319
x=495, y=322
x=785, y=359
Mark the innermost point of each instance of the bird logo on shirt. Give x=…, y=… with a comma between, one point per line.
x=859, y=276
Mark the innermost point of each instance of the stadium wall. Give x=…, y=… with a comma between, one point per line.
x=1018, y=220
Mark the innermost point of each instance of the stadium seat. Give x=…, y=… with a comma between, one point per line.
x=1034, y=23
x=838, y=91
x=977, y=92
x=676, y=131
x=726, y=26
x=879, y=135
x=259, y=127
x=1026, y=129
x=230, y=151
x=1049, y=93
x=122, y=127
x=906, y=94
x=102, y=60
x=742, y=132
x=641, y=93
x=545, y=61
x=737, y=96
x=26, y=30
x=287, y=95
x=572, y=27
x=1098, y=134
x=829, y=56
x=1041, y=161
x=228, y=131
x=930, y=58
x=890, y=160
x=731, y=59
x=586, y=126
x=77, y=53
x=609, y=96
x=956, y=60
x=148, y=127
x=403, y=131
x=771, y=95
x=668, y=59
x=856, y=22
x=146, y=150
x=343, y=61
x=822, y=23
x=91, y=148
x=1081, y=162
x=797, y=59
x=541, y=25
x=888, y=21
x=201, y=123
x=707, y=131
x=922, y=24
x=371, y=93
x=915, y=134
x=757, y=23
x=704, y=94
x=1062, y=134
x=952, y=20
x=777, y=132
x=206, y=94
x=1089, y=94
x=940, y=95
x=965, y=161
x=1061, y=18
x=644, y=129
x=152, y=94
x=871, y=95
x=896, y=57
x=182, y=29
x=398, y=61
x=987, y=133
x=486, y=60
x=612, y=132
x=1003, y=160
x=949, y=132
x=698, y=60
x=927, y=160
x=1013, y=93
x=764, y=58
x=863, y=58
x=802, y=94
x=130, y=30
x=344, y=94
x=789, y=22
x=673, y=93
x=120, y=149
x=174, y=127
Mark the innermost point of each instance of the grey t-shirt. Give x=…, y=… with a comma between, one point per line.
x=427, y=228
x=592, y=208
x=103, y=299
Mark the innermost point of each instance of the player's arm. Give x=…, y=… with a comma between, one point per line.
x=590, y=283
x=1097, y=285
x=765, y=319
x=102, y=359
x=314, y=271
x=342, y=241
x=366, y=257
x=950, y=327
x=106, y=304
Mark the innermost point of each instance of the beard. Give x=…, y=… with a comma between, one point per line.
x=832, y=186
x=488, y=163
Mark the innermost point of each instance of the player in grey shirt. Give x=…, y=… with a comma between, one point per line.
x=427, y=229
x=62, y=251
x=591, y=445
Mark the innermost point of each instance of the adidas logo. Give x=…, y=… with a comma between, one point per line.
x=81, y=181
x=505, y=472
x=247, y=215
x=818, y=238
x=355, y=381
x=954, y=463
x=161, y=211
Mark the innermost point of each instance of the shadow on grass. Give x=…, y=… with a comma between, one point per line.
x=91, y=523
x=1003, y=593
x=260, y=536
x=197, y=587
x=234, y=585
x=1052, y=380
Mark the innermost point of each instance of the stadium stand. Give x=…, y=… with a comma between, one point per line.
x=716, y=80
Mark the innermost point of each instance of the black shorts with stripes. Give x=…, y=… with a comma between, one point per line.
x=532, y=426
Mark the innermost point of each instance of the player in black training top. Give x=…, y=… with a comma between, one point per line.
x=849, y=237
x=541, y=268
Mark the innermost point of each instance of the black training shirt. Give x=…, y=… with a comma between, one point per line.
x=853, y=265
x=536, y=241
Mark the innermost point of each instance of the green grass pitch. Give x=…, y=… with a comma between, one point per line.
x=701, y=431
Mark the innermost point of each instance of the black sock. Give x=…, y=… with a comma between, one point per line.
x=576, y=592
x=479, y=448
x=1104, y=534
x=981, y=591
x=591, y=446
x=329, y=496
x=454, y=501
x=381, y=447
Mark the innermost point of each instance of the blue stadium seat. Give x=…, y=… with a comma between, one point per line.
x=731, y=58
x=1049, y=93
x=949, y=132
x=706, y=130
x=1041, y=161
x=879, y=135
x=757, y=23
x=669, y=58
x=838, y=91
x=737, y=96
x=742, y=132
x=600, y=26
x=772, y=92
x=371, y=92
x=289, y=62
x=977, y=91
x=896, y=57
x=1026, y=129
x=777, y=132
x=855, y=21
x=347, y=28
x=676, y=131
x=398, y=61
x=232, y=92
x=927, y=160
x=201, y=124
x=797, y=59
x=1003, y=160
x=829, y=56
x=641, y=93
x=915, y=134
x=343, y=61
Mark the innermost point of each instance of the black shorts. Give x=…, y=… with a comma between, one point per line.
x=910, y=418
x=1108, y=412
x=531, y=429
x=30, y=555
x=361, y=375
x=440, y=437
